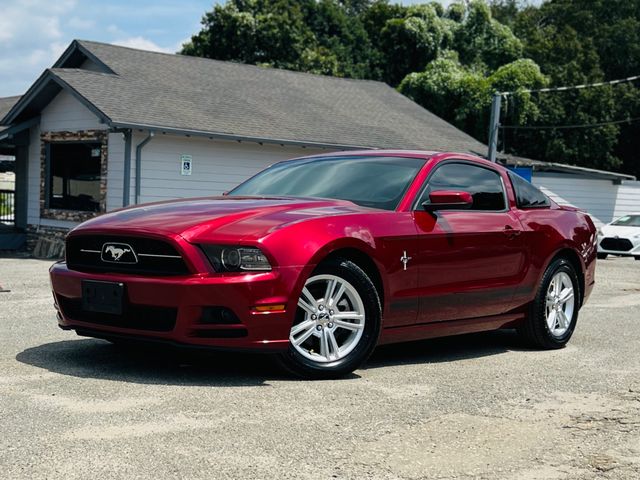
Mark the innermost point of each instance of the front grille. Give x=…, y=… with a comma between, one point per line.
x=138, y=317
x=616, y=244
x=153, y=257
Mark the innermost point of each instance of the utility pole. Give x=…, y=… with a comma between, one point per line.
x=494, y=125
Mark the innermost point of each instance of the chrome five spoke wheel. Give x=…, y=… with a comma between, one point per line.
x=331, y=319
x=560, y=304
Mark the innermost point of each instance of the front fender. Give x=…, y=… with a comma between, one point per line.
x=306, y=246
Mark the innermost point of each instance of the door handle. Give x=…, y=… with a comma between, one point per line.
x=511, y=232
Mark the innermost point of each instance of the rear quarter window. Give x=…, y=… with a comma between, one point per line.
x=527, y=195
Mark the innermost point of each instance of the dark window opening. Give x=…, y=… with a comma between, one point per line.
x=74, y=176
x=484, y=185
x=527, y=195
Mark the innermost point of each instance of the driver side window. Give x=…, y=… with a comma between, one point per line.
x=484, y=185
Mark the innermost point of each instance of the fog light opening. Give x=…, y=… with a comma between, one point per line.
x=219, y=316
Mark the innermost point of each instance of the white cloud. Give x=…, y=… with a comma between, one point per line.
x=81, y=23
x=114, y=30
x=142, y=44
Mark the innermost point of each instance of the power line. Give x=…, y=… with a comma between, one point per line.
x=494, y=122
x=559, y=127
x=574, y=87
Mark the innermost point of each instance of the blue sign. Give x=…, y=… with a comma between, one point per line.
x=524, y=172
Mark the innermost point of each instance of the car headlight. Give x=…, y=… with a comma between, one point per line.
x=228, y=258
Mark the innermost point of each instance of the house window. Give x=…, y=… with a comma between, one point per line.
x=74, y=176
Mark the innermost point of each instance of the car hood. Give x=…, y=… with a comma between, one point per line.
x=230, y=217
x=620, y=231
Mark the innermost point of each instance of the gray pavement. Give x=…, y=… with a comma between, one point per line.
x=477, y=406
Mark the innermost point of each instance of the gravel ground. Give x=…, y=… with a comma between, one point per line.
x=475, y=406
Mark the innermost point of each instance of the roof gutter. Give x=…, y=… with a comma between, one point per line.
x=239, y=138
x=139, y=163
x=540, y=166
x=586, y=171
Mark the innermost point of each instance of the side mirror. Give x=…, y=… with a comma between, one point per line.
x=448, y=200
x=224, y=194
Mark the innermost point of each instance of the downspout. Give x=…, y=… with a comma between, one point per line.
x=126, y=184
x=139, y=163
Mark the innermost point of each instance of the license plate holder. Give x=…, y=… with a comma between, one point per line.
x=102, y=297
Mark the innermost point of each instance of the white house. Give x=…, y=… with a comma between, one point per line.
x=110, y=126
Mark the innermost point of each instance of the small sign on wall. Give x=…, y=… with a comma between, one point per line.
x=185, y=164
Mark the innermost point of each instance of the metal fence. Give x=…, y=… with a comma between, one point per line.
x=7, y=207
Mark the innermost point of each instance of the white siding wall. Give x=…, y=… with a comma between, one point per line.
x=33, y=183
x=65, y=113
x=628, y=200
x=600, y=198
x=115, y=171
x=217, y=166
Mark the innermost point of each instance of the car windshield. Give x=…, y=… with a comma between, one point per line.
x=377, y=182
x=628, y=221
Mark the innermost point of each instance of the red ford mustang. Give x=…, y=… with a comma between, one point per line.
x=320, y=259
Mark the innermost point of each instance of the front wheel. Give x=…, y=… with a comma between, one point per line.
x=337, y=322
x=602, y=256
x=553, y=313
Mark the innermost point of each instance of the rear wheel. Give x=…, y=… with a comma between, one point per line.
x=553, y=314
x=337, y=322
x=602, y=256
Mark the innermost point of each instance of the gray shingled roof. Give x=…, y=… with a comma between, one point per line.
x=5, y=105
x=188, y=93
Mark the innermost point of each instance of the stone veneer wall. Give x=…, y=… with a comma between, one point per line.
x=46, y=242
x=79, y=136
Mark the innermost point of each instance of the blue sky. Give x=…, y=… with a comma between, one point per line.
x=33, y=33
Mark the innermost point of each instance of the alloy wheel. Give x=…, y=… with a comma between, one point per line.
x=331, y=319
x=560, y=304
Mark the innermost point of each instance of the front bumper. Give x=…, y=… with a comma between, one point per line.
x=172, y=309
x=626, y=247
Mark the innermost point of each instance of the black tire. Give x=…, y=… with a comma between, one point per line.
x=535, y=329
x=636, y=258
x=297, y=364
x=602, y=256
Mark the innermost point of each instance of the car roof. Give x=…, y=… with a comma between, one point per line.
x=423, y=154
x=378, y=153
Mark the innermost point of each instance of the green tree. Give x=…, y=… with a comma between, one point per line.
x=255, y=31
x=462, y=95
x=483, y=41
x=409, y=43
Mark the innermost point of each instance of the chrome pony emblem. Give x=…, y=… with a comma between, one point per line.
x=118, y=253
x=404, y=259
